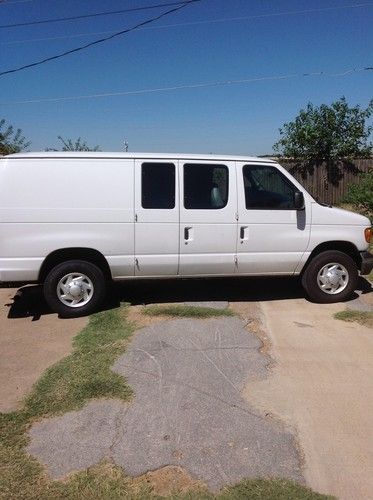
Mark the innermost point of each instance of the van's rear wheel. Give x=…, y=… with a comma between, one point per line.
x=330, y=277
x=74, y=288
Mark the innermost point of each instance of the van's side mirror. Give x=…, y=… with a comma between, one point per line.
x=298, y=200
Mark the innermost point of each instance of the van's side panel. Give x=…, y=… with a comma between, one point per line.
x=273, y=240
x=48, y=204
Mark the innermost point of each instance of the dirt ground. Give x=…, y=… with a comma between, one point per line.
x=168, y=479
x=29, y=345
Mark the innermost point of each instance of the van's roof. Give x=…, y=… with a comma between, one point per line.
x=168, y=156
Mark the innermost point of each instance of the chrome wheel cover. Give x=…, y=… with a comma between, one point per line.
x=75, y=290
x=332, y=278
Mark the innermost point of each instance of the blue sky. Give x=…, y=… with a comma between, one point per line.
x=237, y=119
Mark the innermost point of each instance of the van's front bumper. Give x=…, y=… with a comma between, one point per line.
x=366, y=262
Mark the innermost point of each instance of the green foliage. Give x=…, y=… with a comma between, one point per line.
x=11, y=139
x=327, y=132
x=182, y=311
x=333, y=134
x=360, y=194
x=76, y=145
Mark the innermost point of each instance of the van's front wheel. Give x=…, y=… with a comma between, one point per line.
x=330, y=277
x=74, y=288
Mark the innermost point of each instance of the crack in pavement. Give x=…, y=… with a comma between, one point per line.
x=119, y=426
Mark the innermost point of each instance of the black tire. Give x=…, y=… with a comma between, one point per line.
x=91, y=271
x=310, y=277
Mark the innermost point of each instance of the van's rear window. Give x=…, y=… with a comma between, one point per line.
x=205, y=186
x=158, y=185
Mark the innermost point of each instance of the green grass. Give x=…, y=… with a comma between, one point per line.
x=85, y=374
x=68, y=385
x=363, y=318
x=269, y=489
x=184, y=311
x=257, y=489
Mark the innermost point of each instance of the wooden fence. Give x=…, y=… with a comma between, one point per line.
x=321, y=186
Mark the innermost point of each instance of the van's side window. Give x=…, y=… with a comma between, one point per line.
x=158, y=185
x=205, y=186
x=267, y=188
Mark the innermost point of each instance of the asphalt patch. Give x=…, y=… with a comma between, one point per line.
x=187, y=375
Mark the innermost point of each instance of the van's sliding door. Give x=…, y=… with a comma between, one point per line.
x=156, y=218
x=208, y=225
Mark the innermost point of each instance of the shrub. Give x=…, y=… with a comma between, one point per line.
x=361, y=194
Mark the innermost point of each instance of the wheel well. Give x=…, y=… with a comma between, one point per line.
x=64, y=254
x=342, y=246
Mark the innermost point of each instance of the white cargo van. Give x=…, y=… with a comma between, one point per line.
x=74, y=221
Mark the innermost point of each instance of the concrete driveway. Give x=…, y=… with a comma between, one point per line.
x=321, y=385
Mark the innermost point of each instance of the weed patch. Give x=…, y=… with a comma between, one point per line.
x=184, y=311
x=361, y=317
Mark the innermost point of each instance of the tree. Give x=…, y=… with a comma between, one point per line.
x=77, y=145
x=11, y=139
x=332, y=134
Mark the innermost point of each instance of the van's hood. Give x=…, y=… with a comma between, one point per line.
x=331, y=215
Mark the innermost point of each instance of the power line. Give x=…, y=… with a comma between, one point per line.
x=191, y=86
x=202, y=22
x=97, y=14
x=101, y=40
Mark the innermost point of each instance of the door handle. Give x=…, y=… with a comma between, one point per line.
x=188, y=234
x=244, y=233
